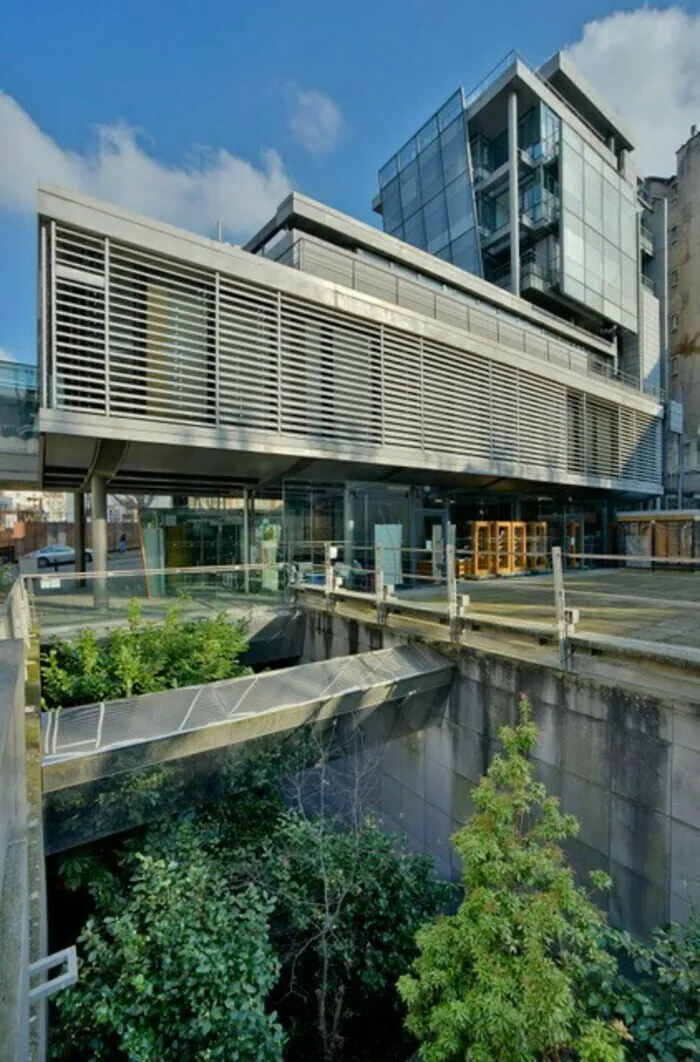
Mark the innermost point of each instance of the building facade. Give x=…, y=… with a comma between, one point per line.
x=331, y=376
x=675, y=203
x=529, y=181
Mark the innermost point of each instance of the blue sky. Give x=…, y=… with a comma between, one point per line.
x=191, y=109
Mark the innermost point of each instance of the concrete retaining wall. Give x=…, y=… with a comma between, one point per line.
x=627, y=765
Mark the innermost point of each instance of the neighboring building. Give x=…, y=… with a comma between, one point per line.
x=676, y=200
x=529, y=182
x=372, y=383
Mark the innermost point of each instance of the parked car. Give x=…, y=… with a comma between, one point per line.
x=53, y=556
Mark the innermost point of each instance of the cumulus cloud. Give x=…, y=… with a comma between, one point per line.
x=647, y=64
x=313, y=118
x=117, y=166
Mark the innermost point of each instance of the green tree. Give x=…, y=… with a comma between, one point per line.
x=174, y=965
x=504, y=977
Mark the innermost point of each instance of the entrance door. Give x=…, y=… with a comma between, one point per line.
x=424, y=520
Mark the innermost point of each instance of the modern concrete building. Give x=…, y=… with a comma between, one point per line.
x=675, y=203
x=370, y=383
x=529, y=181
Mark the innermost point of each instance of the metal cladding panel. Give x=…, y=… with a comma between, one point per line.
x=137, y=334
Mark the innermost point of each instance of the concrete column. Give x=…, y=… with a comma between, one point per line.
x=98, y=485
x=79, y=525
x=514, y=193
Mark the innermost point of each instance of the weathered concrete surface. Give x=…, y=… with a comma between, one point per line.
x=626, y=763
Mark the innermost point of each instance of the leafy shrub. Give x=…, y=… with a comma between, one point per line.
x=142, y=658
x=338, y=904
x=174, y=964
x=659, y=1001
x=502, y=978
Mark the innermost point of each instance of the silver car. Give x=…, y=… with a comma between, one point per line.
x=54, y=556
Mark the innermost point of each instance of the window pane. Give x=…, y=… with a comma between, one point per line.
x=611, y=210
x=436, y=234
x=388, y=172
x=407, y=154
x=460, y=215
x=465, y=253
x=430, y=171
x=453, y=143
x=410, y=190
x=449, y=111
x=611, y=273
x=391, y=205
x=414, y=230
x=427, y=134
x=593, y=197
x=572, y=177
x=593, y=246
x=573, y=249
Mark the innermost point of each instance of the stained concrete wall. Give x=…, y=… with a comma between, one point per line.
x=626, y=764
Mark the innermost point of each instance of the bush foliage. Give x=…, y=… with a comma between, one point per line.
x=216, y=931
x=503, y=978
x=142, y=658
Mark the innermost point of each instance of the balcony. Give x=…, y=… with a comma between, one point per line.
x=646, y=241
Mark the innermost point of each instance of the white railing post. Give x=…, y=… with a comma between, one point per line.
x=329, y=575
x=560, y=608
x=380, y=590
x=437, y=553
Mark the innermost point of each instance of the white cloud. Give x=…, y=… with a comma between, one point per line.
x=313, y=118
x=647, y=64
x=6, y=356
x=117, y=167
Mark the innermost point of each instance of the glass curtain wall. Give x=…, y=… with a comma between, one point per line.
x=428, y=193
x=599, y=229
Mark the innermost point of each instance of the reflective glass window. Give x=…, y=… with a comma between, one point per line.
x=430, y=171
x=388, y=172
x=629, y=285
x=465, y=253
x=391, y=205
x=573, y=249
x=499, y=150
x=427, y=134
x=593, y=197
x=407, y=154
x=572, y=181
x=593, y=250
x=460, y=215
x=414, y=230
x=436, y=234
x=449, y=111
x=611, y=206
x=628, y=227
x=453, y=143
x=611, y=273
x=410, y=190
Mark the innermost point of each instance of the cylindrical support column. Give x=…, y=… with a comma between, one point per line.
x=98, y=491
x=514, y=193
x=79, y=525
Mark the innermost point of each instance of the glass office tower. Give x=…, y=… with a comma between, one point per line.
x=562, y=205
